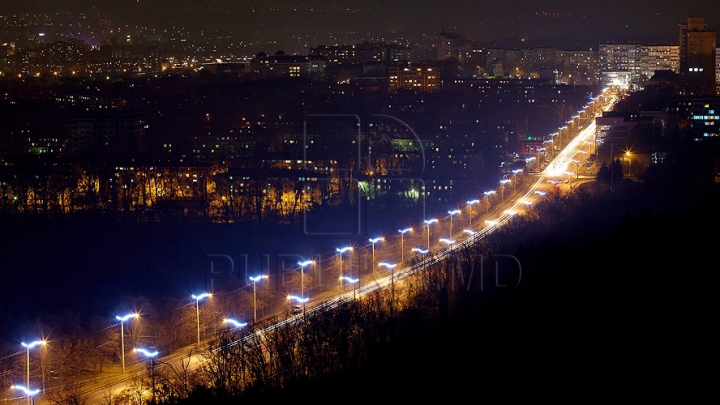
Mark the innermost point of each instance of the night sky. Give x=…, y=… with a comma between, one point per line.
x=545, y=23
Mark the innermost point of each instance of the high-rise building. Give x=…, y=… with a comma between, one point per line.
x=659, y=57
x=697, y=58
x=111, y=132
x=623, y=58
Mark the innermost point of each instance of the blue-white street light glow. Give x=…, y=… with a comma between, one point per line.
x=257, y=278
x=448, y=241
x=33, y=344
x=471, y=202
x=376, y=240
x=453, y=212
x=298, y=299
x=343, y=250
x=26, y=390
x=404, y=231
x=419, y=250
x=201, y=296
x=470, y=231
x=126, y=317
x=430, y=221
x=489, y=192
x=305, y=263
x=146, y=352
x=234, y=322
x=388, y=265
x=350, y=279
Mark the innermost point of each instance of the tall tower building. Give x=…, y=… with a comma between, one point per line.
x=697, y=57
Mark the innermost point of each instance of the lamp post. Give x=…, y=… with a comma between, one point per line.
x=628, y=157
x=452, y=213
x=197, y=299
x=502, y=191
x=29, y=346
x=302, y=279
x=374, y=241
x=577, y=168
x=122, y=320
x=340, y=253
x=448, y=241
x=300, y=300
x=514, y=178
x=150, y=355
x=470, y=232
x=469, y=205
x=27, y=391
x=427, y=230
x=391, y=266
x=353, y=281
x=255, y=280
x=402, y=243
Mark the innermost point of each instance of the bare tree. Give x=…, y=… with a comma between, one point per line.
x=69, y=395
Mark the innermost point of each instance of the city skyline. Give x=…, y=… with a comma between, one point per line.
x=311, y=23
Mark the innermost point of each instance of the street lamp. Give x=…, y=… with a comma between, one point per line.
x=402, y=243
x=452, y=213
x=502, y=190
x=197, y=299
x=29, y=346
x=300, y=300
x=340, y=253
x=427, y=229
x=420, y=250
x=448, y=241
x=122, y=320
x=27, y=391
x=302, y=279
x=353, y=281
x=628, y=157
x=390, y=266
x=150, y=355
x=469, y=205
x=234, y=323
x=374, y=241
x=255, y=280
x=514, y=182
x=469, y=232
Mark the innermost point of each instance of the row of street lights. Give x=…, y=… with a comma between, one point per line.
x=301, y=299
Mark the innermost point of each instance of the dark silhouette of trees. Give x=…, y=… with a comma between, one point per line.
x=608, y=174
